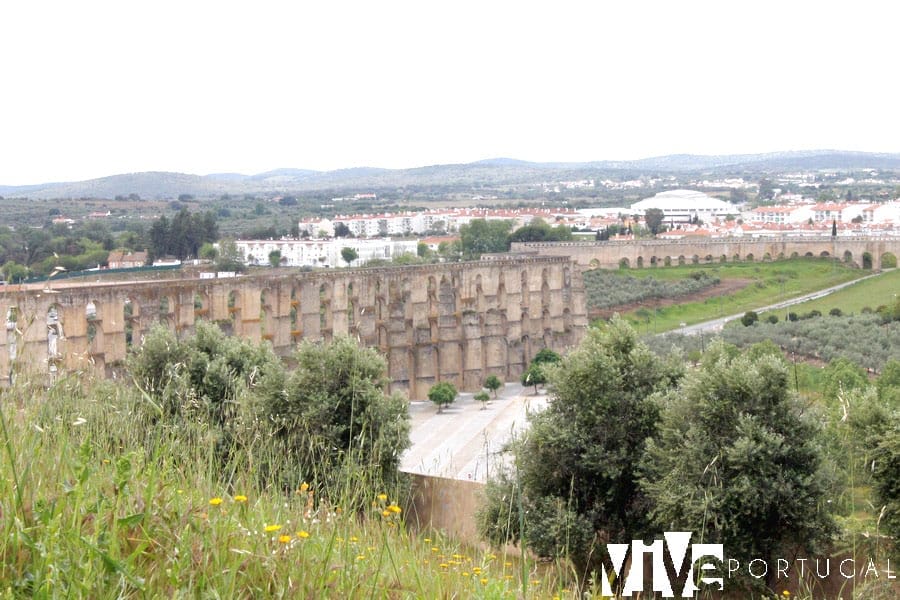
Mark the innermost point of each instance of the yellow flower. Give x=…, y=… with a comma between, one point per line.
x=240, y=498
x=272, y=528
x=382, y=497
x=353, y=538
x=385, y=513
x=465, y=574
x=304, y=486
x=476, y=570
x=284, y=539
x=395, y=509
x=427, y=540
x=215, y=501
x=443, y=565
x=302, y=534
x=484, y=580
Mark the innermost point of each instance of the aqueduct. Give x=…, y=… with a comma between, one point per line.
x=655, y=252
x=454, y=322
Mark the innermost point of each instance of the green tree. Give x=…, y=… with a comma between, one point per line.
x=13, y=272
x=842, y=375
x=539, y=231
x=750, y=317
x=275, y=258
x=886, y=475
x=493, y=383
x=481, y=236
x=534, y=375
x=888, y=384
x=332, y=420
x=737, y=462
x=229, y=258
x=546, y=356
x=482, y=397
x=575, y=476
x=349, y=254
x=653, y=218
x=208, y=251
x=443, y=394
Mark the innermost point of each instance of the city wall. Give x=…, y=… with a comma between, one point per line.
x=454, y=322
x=653, y=252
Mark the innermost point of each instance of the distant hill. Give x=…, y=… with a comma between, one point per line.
x=492, y=171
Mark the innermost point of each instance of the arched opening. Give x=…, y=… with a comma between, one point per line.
x=867, y=260
x=767, y=257
x=93, y=321
x=888, y=260
x=723, y=259
x=795, y=255
x=234, y=313
x=824, y=254
x=736, y=258
x=324, y=310
x=640, y=262
x=266, y=316
x=708, y=258
x=781, y=256
x=809, y=255
x=681, y=260
x=525, y=291
x=695, y=259
x=624, y=263
x=652, y=261
x=128, y=317
x=54, y=334
x=667, y=261
x=594, y=264
x=848, y=257
x=12, y=340
x=294, y=315
x=201, y=306
x=749, y=257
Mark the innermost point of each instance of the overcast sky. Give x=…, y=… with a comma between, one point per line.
x=97, y=88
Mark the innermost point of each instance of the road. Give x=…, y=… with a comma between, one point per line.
x=717, y=324
x=463, y=441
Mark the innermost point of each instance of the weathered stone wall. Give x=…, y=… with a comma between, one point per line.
x=450, y=322
x=651, y=252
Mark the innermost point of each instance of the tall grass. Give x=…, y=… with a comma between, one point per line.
x=95, y=502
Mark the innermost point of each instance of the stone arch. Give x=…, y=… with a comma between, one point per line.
x=848, y=256
x=567, y=320
x=325, y=295
x=736, y=257
x=781, y=256
x=12, y=340
x=130, y=315
x=888, y=260
x=94, y=325
x=201, y=304
x=809, y=255
x=234, y=309
x=824, y=254
x=351, y=308
x=695, y=259
x=640, y=262
x=594, y=264
x=749, y=257
x=653, y=261
x=624, y=263
x=267, y=314
x=667, y=261
x=54, y=335
x=546, y=323
x=767, y=257
x=795, y=255
x=294, y=315
x=723, y=259
x=166, y=311
x=708, y=258
x=447, y=300
x=567, y=286
x=867, y=260
x=501, y=295
x=681, y=260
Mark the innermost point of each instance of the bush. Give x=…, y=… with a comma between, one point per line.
x=750, y=317
x=605, y=288
x=772, y=319
x=835, y=312
x=792, y=316
x=443, y=394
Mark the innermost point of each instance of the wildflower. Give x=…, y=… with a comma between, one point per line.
x=427, y=540
x=361, y=557
x=382, y=497
x=302, y=534
x=272, y=528
x=304, y=486
x=484, y=580
x=465, y=574
x=507, y=564
x=284, y=539
x=476, y=570
x=215, y=501
x=443, y=565
x=240, y=498
x=395, y=509
x=353, y=538
x=385, y=513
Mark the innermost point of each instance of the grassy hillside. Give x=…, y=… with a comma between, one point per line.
x=870, y=293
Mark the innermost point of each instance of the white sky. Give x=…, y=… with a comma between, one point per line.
x=92, y=88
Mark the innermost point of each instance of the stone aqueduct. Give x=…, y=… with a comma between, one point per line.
x=450, y=322
x=647, y=253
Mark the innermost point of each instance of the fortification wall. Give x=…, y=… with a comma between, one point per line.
x=454, y=322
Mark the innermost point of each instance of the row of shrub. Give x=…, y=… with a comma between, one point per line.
x=605, y=288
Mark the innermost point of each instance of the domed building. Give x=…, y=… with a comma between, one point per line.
x=682, y=206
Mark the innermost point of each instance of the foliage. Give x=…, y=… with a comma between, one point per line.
x=482, y=397
x=493, y=383
x=330, y=414
x=183, y=235
x=653, y=217
x=605, y=289
x=229, y=257
x=443, y=394
x=842, y=375
x=886, y=475
x=737, y=462
x=888, y=383
x=481, y=236
x=576, y=467
x=349, y=254
x=275, y=258
x=540, y=231
x=534, y=375
x=750, y=317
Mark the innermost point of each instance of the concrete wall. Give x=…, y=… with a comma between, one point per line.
x=650, y=252
x=450, y=322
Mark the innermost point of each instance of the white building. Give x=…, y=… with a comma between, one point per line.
x=682, y=206
x=842, y=212
x=322, y=253
x=780, y=214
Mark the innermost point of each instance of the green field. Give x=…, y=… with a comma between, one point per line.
x=870, y=293
x=767, y=283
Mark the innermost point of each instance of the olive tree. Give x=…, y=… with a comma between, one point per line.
x=574, y=481
x=443, y=394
